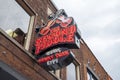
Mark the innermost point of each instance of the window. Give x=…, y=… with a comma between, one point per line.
x=15, y=21
x=73, y=71
x=6, y=76
x=7, y=73
x=90, y=75
x=13, y=16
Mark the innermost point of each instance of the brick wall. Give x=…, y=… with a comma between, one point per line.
x=16, y=57
x=86, y=59
x=89, y=60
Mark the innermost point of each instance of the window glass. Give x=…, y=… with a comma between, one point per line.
x=13, y=18
x=8, y=73
x=90, y=76
x=71, y=72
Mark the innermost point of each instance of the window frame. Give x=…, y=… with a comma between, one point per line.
x=76, y=63
x=92, y=73
x=77, y=69
x=32, y=15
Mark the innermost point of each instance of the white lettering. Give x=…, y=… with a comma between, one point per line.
x=54, y=61
x=53, y=51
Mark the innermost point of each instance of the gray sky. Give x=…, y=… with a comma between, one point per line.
x=99, y=22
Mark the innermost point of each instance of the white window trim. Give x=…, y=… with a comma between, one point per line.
x=29, y=33
x=57, y=73
x=77, y=68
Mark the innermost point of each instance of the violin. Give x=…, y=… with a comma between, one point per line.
x=62, y=20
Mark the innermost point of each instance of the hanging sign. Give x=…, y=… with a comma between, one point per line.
x=55, y=39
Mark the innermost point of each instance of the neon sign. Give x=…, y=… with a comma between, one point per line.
x=54, y=41
x=57, y=55
x=56, y=36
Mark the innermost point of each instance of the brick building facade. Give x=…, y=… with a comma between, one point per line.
x=17, y=62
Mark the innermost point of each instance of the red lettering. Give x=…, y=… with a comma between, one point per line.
x=57, y=35
x=70, y=38
x=45, y=59
x=72, y=29
x=62, y=54
x=65, y=31
x=49, y=41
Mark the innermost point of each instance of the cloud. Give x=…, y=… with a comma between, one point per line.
x=99, y=22
x=108, y=55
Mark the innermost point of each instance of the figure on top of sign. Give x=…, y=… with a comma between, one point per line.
x=62, y=20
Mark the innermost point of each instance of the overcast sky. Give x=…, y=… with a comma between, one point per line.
x=99, y=22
